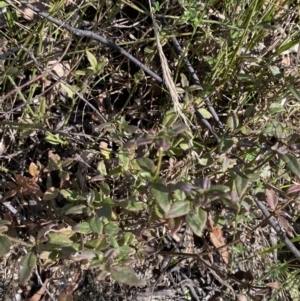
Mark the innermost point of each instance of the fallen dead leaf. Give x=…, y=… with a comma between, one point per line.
x=2, y=146
x=218, y=240
x=275, y=285
x=65, y=297
x=33, y=169
x=28, y=14
x=241, y=298
x=37, y=296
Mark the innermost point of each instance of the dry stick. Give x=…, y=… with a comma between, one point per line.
x=273, y=222
x=94, y=36
x=193, y=74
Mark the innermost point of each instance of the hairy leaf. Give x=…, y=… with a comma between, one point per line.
x=177, y=209
x=197, y=220
x=27, y=264
x=5, y=245
x=292, y=164
x=161, y=195
x=126, y=275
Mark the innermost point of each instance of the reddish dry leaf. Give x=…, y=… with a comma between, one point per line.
x=175, y=225
x=241, y=298
x=24, y=186
x=218, y=240
x=10, y=194
x=65, y=297
x=28, y=186
x=284, y=223
x=37, y=296
x=271, y=198
x=293, y=189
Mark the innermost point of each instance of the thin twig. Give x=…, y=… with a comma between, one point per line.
x=274, y=224
x=43, y=285
x=94, y=36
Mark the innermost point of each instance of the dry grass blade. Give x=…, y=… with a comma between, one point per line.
x=168, y=81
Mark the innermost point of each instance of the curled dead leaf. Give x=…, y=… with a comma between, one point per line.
x=241, y=298
x=218, y=240
x=275, y=285
x=33, y=170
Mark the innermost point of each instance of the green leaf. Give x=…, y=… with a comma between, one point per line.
x=197, y=220
x=77, y=209
x=291, y=44
x=292, y=164
x=3, y=4
x=244, y=77
x=124, y=157
x=5, y=245
x=105, y=211
x=276, y=72
x=225, y=145
x=100, y=243
x=102, y=168
x=206, y=160
x=205, y=113
x=161, y=194
x=54, y=139
x=27, y=264
x=178, y=128
x=96, y=225
x=124, y=252
x=83, y=228
x=177, y=209
x=217, y=191
x=50, y=194
x=111, y=229
x=72, y=195
x=274, y=128
x=194, y=88
x=170, y=118
x=83, y=255
x=276, y=108
x=163, y=143
x=92, y=60
x=129, y=238
x=239, y=186
x=146, y=164
x=126, y=275
x=295, y=92
x=105, y=188
x=131, y=204
x=59, y=239
x=184, y=80
x=232, y=121
x=69, y=89
x=157, y=212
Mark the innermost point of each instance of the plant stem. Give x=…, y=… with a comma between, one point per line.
x=160, y=154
